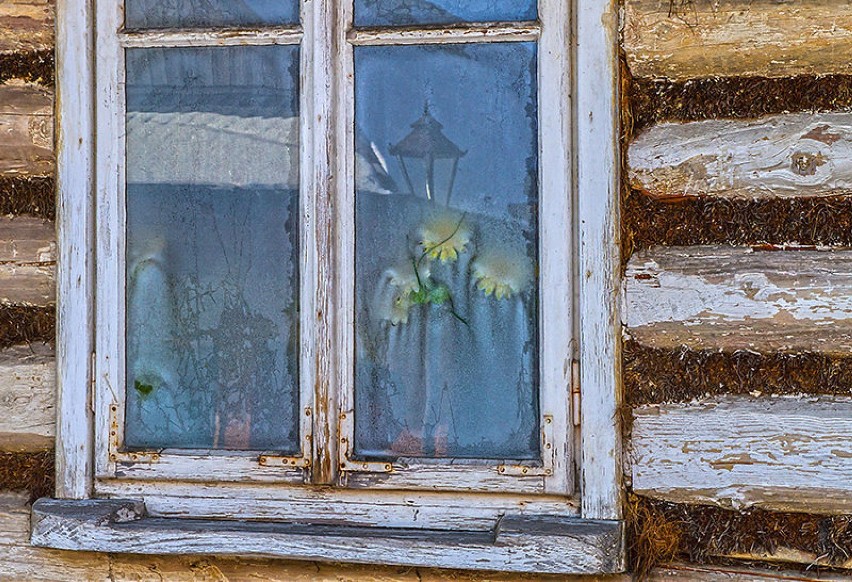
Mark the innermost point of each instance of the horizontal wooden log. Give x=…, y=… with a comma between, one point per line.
x=26, y=25
x=710, y=573
x=703, y=38
x=27, y=261
x=27, y=398
x=776, y=156
x=26, y=127
x=782, y=454
x=730, y=298
x=21, y=561
x=539, y=544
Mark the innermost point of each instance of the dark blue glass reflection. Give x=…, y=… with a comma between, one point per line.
x=412, y=12
x=446, y=252
x=210, y=13
x=212, y=248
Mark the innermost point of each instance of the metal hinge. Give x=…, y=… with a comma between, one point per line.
x=92, y=377
x=576, y=412
x=118, y=456
x=272, y=460
x=346, y=430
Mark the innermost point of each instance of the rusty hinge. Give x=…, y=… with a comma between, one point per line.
x=548, y=452
x=346, y=463
x=576, y=413
x=118, y=456
x=92, y=378
x=273, y=460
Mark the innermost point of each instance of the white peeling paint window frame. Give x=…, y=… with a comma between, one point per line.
x=579, y=233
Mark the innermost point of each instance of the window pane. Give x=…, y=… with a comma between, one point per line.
x=209, y=13
x=212, y=248
x=446, y=251
x=402, y=12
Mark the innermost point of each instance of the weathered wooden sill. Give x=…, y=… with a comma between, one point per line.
x=517, y=543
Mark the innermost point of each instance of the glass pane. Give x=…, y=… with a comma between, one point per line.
x=402, y=12
x=446, y=251
x=212, y=248
x=209, y=13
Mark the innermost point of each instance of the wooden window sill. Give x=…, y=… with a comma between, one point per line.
x=557, y=545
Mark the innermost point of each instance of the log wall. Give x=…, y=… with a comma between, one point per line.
x=683, y=300
x=738, y=356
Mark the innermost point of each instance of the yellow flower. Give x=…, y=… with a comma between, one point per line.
x=400, y=304
x=401, y=282
x=502, y=274
x=444, y=237
x=405, y=278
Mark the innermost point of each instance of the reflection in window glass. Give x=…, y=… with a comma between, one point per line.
x=446, y=252
x=212, y=248
x=402, y=12
x=209, y=13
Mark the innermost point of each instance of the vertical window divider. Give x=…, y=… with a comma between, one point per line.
x=110, y=221
x=556, y=241
x=323, y=315
x=344, y=131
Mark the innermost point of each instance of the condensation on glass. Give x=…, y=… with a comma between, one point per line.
x=447, y=252
x=411, y=12
x=212, y=248
x=209, y=13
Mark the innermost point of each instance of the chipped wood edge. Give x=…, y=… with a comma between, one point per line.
x=781, y=454
x=597, y=193
x=75, y=185
x=739, y=298
x=516, y=544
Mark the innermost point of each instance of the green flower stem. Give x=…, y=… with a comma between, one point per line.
x=427, y=293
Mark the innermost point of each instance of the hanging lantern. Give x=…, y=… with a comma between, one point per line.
x=428, y=154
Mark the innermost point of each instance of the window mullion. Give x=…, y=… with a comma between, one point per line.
x=323, y=363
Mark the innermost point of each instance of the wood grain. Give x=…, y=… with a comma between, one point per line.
x=683, y=40
x=695, y=573
x=783, y=454
x=516, y=544
x=27, y=395
x=26, y=25
x=777, y=156
x=21, y=561
x=598, y=273
x=75, y=181
x=729, y=298
x=26, y=128
x=27, y=261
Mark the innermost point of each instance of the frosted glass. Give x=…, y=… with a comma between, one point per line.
x=446, y=259
x=410, y=12
x=209, y=13
x=212, y=248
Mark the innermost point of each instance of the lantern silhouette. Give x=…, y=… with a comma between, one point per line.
x=427, y=152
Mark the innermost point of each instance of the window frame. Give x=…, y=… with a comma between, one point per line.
x=589, y=124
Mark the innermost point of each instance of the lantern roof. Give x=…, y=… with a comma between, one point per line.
x=426, y=140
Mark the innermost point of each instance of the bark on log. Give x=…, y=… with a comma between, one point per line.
x=702, y=38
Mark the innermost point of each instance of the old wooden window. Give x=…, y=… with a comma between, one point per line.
x=339, y=263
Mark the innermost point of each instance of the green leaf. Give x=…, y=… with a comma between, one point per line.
x=142, y=388
x=420, y=296
x=439, y=295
